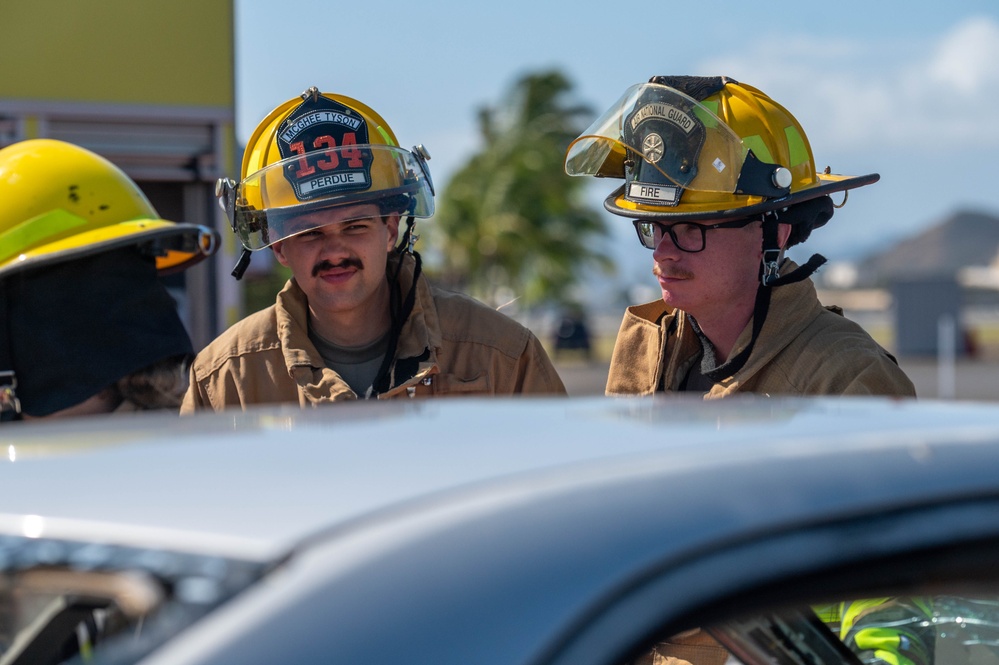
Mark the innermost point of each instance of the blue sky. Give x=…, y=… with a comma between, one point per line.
x=908, y=90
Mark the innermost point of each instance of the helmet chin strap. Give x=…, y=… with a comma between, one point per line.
x=773, y=256
x=773, y=253
x=409, y=238
x=399, y=307
x=242, y=264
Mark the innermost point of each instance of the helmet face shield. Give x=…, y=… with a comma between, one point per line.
x=661, y=141
x=276, y=202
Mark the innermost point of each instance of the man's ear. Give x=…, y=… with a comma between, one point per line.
x=783, y=233
x=392, y=223
x=278, y=249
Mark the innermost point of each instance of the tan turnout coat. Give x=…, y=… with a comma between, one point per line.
x=450, y=345
x=803, y=349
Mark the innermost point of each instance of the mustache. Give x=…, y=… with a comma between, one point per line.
x=671, y=273
x=325, y=264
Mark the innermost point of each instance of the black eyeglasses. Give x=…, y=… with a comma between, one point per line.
x=687, y=236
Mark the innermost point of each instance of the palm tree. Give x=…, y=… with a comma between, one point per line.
x=511, y=223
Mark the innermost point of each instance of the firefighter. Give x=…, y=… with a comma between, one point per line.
x=87, y=326
x=327, y=188
x=719, y=180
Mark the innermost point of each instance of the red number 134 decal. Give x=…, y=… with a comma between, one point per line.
x=331, y=159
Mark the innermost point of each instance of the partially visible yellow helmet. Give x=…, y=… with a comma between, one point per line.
x=694, y=148
x=316, y=151
x=59, y=201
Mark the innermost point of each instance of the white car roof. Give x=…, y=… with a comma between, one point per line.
x=254, y=484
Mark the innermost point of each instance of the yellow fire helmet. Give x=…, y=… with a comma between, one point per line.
x=317, y=151
x=59, y=201
x=694, y=148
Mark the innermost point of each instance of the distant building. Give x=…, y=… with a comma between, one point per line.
x=935, y=279
x=963, y=240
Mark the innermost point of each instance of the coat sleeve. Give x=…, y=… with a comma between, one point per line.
x=484, y=351
x=841, y=358
x=882, y=377
x=867, y=371
x=537, y=374
x=193, y=399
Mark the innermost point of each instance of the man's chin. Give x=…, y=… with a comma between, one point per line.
x=672, y=300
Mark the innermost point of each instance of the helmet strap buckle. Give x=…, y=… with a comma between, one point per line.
x=773, y=257
x=772, y=252
x=411, y=235
x=771, y=266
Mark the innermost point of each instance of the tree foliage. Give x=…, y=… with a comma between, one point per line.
x=511, y=223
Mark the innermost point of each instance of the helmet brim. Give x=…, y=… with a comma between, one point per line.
x=827, y=183
x=175, y=246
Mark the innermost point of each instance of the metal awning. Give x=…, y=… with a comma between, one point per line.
x=150, y=143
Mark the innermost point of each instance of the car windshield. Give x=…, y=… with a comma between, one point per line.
x=61, y=601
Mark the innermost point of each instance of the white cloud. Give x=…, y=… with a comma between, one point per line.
x=936, y=96
x=966, y=60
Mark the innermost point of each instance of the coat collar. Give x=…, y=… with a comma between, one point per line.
x=419, y=340
x=793, y=307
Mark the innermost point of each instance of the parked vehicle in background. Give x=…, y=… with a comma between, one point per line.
x=507, y=531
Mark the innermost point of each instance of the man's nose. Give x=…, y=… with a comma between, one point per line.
x=334, y=243
x=666, y=249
